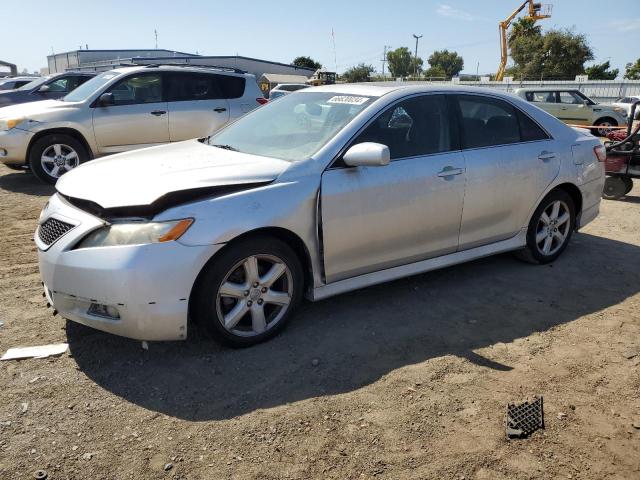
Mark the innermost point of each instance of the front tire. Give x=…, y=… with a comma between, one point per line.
x=53, y=155
x=550, y=228
x=247, y=293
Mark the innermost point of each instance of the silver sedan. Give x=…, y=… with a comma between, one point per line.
x=327, y=190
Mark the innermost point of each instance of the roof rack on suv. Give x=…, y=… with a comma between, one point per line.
x=198, y=65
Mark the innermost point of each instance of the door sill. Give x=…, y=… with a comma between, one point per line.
x=423, y=266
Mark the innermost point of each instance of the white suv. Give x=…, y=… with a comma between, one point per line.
x=120, y=110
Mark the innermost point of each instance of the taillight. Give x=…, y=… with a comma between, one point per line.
x=601, y=153
x=262, y=100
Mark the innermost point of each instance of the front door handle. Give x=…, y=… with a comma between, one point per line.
x=220, y=109
x=544, y=155
x=449, y=171
x=157, y=113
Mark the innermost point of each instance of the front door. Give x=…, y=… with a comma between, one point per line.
x=572, y=108
x=138, y=117
x=380, y=217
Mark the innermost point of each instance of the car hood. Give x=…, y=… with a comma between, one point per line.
x=144, y=176
x=31, y=109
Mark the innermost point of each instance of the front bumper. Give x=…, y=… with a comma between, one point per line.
x=13, y=146
x=148, y=285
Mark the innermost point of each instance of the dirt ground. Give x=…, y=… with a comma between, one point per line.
x=407, y=380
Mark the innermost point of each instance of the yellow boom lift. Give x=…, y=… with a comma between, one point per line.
x=537, y=11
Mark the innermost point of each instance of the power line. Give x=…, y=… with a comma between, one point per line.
x=384, y=58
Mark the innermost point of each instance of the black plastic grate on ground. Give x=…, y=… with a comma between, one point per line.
x=52, y=229
x=524, y=419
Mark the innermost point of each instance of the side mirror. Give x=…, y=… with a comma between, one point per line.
x=585, y=103
x=44, y=89
x=367, y=154
x=106, y=99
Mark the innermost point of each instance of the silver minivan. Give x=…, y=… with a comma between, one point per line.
x=120, y=110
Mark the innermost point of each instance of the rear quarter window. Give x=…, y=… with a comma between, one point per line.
x=230, y=86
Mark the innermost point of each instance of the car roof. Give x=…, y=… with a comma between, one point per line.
x=180, y=68
x=550, y=88
x=378, y=89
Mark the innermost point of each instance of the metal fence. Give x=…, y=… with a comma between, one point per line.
x=599, y=90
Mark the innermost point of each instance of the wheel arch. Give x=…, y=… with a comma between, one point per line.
x=72, y=132
x=283, y=234
x=606, y=117
x=573, y=191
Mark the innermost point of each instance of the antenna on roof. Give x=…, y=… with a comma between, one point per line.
x=155, y=32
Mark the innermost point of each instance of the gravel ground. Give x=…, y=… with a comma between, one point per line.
x=407, y=380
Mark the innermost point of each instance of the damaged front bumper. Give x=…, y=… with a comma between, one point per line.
x=136, y=291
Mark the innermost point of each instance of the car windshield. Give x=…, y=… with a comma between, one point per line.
x=89, y=87
x=293, y=128
x=35, y=83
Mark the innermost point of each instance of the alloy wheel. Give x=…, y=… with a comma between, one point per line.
x=553, y=228
x=254, y=295
x=58, y=159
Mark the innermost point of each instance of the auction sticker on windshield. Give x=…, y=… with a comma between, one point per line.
x=348, y=100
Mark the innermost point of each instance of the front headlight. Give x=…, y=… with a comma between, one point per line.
x=136, y=233
x=9, y=123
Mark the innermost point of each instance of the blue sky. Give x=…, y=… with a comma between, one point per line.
x=284, y=29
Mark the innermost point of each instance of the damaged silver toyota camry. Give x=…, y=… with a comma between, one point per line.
x=327, y=190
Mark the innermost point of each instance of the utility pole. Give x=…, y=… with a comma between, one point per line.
x=384, y=58
x=415, y=60
x=155, y=32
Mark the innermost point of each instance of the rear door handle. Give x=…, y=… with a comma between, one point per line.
x=449, y=172
x=220, y=109
x=157, y=113
x=546, y=155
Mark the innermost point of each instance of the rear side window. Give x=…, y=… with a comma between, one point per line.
x=488, y=121
x=529, y=130
x=541, y=97
x=183, y=87
x=417, y=126
x=230, y=86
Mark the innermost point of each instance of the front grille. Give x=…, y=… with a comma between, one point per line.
x=52, y=229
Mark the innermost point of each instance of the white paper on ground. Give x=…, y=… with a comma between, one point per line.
x=42, y=351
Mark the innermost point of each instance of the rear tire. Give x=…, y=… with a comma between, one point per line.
x=605, y=122
x=53, y=155
x=550, y=228
x=247, y=293
x=615, y=188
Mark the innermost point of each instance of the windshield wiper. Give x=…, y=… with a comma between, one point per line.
x=226, y=147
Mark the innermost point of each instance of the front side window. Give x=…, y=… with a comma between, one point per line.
x=541, y=97
x=60, y=85
x=293, y=128
x=488, y=121
x=571, y=98
x=417, y=126
x=138, y=89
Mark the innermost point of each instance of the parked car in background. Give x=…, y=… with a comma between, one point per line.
x=275, y=94
x=234, y=229
x=626, y=103
x=45, y=88
x=121, y=110
x=11, y=83
x=286, y=88
x=574, y=107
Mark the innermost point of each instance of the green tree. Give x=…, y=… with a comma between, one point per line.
x=435, y=72
x=554, y=54
x=306, y=62
x=449, y=62
x=601, y=71
x=401, y=62
x=358, y=73
x=632, y=71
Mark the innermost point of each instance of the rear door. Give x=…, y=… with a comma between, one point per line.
x=375, y=218
x=138, y=117
x=197, y=106
x=572, y=108
x=510, y=161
